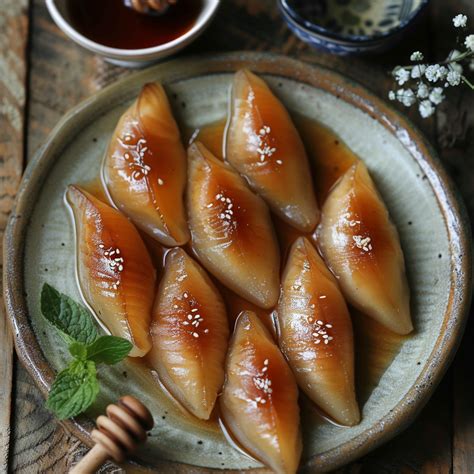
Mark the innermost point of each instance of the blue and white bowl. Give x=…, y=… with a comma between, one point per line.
x=351, y=26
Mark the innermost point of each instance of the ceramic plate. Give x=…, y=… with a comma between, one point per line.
x=428, y=214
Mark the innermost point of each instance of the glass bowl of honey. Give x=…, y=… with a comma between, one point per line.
x=127, y=38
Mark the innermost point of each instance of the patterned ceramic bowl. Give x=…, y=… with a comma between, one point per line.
x=351, y=26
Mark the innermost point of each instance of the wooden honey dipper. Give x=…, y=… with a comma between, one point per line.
x=117, y=434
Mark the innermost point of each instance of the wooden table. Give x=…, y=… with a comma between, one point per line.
x=43, y=74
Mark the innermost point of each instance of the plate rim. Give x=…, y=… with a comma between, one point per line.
x=449, y=201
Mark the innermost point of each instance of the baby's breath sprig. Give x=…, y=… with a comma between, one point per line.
x=425, y=84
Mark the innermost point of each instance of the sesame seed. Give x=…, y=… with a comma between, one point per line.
x=160, y=182
x=194, y=310
x=322, y=297
x=195, y=334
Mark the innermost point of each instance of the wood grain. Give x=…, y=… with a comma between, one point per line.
x=13, y=37
x=455, y=140
x=62, y=74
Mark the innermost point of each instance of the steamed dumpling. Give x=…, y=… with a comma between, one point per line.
x=145, y=168
x=315, y=333
x=232, y=232
x=362, y=248
x=259, y=403
x=263, y=144
x=190, y=333
x=115, y=271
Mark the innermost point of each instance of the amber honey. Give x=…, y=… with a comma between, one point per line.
x=111, y=23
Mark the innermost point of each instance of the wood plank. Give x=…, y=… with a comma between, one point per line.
x=455, y=137
x=13, y=43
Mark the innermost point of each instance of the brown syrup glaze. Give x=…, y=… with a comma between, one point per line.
x=376, y=347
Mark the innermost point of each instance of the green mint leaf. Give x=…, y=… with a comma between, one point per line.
x=74, y=389
x=78, y=350
x=108, y=350
x=72, y=319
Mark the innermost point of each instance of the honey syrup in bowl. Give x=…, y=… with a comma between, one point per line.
x=111, y=23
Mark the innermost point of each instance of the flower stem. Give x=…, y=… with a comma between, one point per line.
x=466, y=81
x=456, y=59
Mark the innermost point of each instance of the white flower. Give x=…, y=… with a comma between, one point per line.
x=469, y=42
x=453, y=78
x=402, y=75
x=423, y=91
x=435, y=72
x=436, y=95
x=391, y=95
x=460, y=21
x=418, y=71
x=426, y=108
x=455, y=67
x=406, y=97
x=416, y=56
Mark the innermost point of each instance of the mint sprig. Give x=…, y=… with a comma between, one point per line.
x=71, y=319
x=76, y=387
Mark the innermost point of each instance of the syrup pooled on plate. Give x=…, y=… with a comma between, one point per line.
x=111, y=23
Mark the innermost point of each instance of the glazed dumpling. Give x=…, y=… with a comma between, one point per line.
x=115, y=272
x=190, y=333
x=145, y=168
x=263, y=144
x=315, y=333
x=259, y=403
x=232, y=232
x=362, y=248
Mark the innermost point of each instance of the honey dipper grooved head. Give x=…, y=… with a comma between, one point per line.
x=123, y=428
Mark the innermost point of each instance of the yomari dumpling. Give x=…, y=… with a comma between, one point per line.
x=259, y=403
x=362, y=248
x=315, y=333
x=263, y=144
x=145, y=168
x=232, y=232
x=115, y=272
x=190, y=333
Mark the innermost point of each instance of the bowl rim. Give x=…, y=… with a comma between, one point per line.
x=314, y=28
x=209, y=10
x=449, y=201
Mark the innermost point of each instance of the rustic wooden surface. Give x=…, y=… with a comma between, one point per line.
x=55, y=75
x=13, y=36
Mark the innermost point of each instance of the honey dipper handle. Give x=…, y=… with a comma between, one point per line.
x=91, y=462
